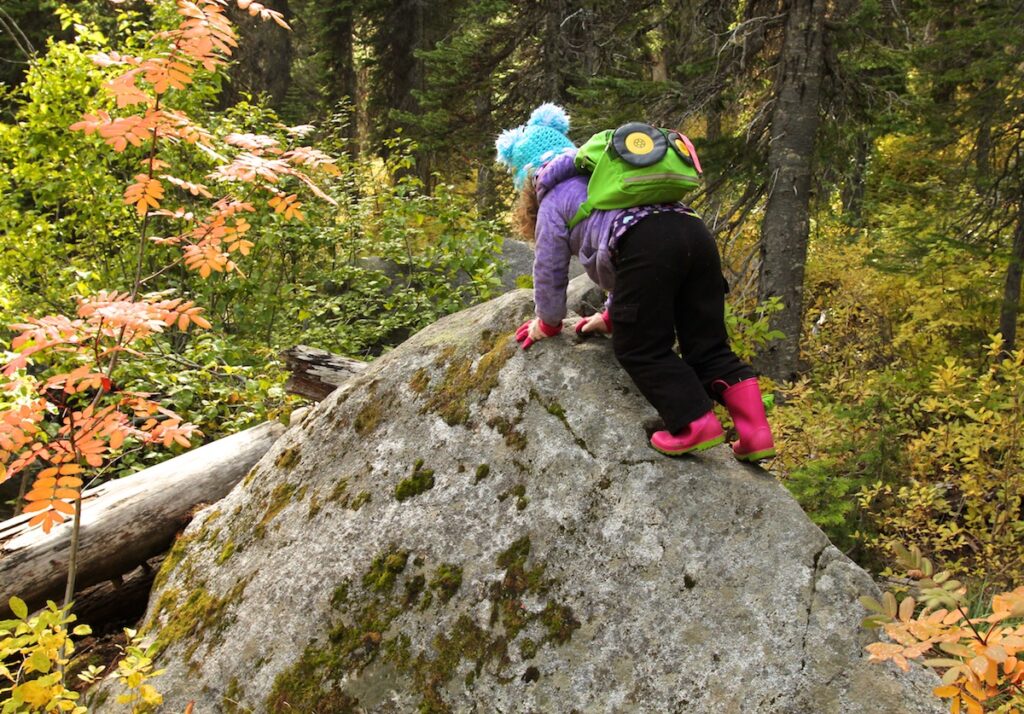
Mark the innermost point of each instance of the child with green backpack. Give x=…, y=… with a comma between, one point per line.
x=653, y=255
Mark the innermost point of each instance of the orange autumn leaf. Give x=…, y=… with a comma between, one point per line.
x=144, y=194
x=196, y=189
x=119, y=133
x=288, y=206
x=165, y=73
x=47, y=519
x=63, y=507
x=125, y=91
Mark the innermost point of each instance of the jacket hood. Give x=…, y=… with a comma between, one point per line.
x=555, y=171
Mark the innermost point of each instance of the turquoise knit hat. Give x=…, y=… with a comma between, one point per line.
x=528, y=147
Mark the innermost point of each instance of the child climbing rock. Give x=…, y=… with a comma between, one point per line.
x=662, y=271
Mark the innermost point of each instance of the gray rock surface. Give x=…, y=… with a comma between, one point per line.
x=469, y=528
x=517, y=260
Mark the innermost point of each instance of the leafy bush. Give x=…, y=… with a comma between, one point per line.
x=974, y=648
x=33, y=653
x=962, y=502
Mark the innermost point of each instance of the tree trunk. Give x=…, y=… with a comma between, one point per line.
x=1011, y=290
x=856, y=183
x=336, y=37
x=553, y=62
x=263, y=59
x=784, y=232
x=127, y=521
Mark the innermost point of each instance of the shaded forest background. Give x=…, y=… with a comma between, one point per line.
x=863, y=180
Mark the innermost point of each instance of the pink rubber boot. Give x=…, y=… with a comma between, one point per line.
x=743, y=400
x=701, y=433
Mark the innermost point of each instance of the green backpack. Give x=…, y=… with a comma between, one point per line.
x=636, y=165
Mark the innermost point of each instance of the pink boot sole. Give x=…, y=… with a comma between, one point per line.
x=754, y=456
x=698, y=435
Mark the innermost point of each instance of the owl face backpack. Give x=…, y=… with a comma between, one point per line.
x=636, y=165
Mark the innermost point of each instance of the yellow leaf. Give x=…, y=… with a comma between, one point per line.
x=34, y=694
x=18, y=607
x=946, y=690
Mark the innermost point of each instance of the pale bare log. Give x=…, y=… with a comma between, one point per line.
x=126, y=521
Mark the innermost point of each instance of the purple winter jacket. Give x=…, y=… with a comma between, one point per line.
x=561, y=190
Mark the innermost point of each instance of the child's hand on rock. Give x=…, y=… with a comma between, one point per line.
x=535, y=330
x=598, y=322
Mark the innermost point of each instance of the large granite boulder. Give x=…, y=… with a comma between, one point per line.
x=469, y=528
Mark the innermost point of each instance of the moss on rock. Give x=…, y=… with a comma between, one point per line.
x=360, y=500
x=280, y=497
x=519, y=491
x=465, y=379
x=226, y=552
x=419, y=481
x=482, y=472
x=384, y=570
x=366, y=631
x=199, y=617
x=447, y=580
x=420, y=381
x=288, y=458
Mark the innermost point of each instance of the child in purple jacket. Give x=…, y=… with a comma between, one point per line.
x=662, y=271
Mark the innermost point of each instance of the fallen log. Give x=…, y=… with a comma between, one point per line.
x=127, y=521
x=316, y=373
x=117, y=603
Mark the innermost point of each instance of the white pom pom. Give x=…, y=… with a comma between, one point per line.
x=507, y=142
x=550, y=115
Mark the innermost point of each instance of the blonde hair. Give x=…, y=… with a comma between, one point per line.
x=524, y=213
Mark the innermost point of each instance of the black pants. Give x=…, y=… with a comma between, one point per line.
x=669, y=285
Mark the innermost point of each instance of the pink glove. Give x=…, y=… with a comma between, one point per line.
x=535, y=330
x=598, y=322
